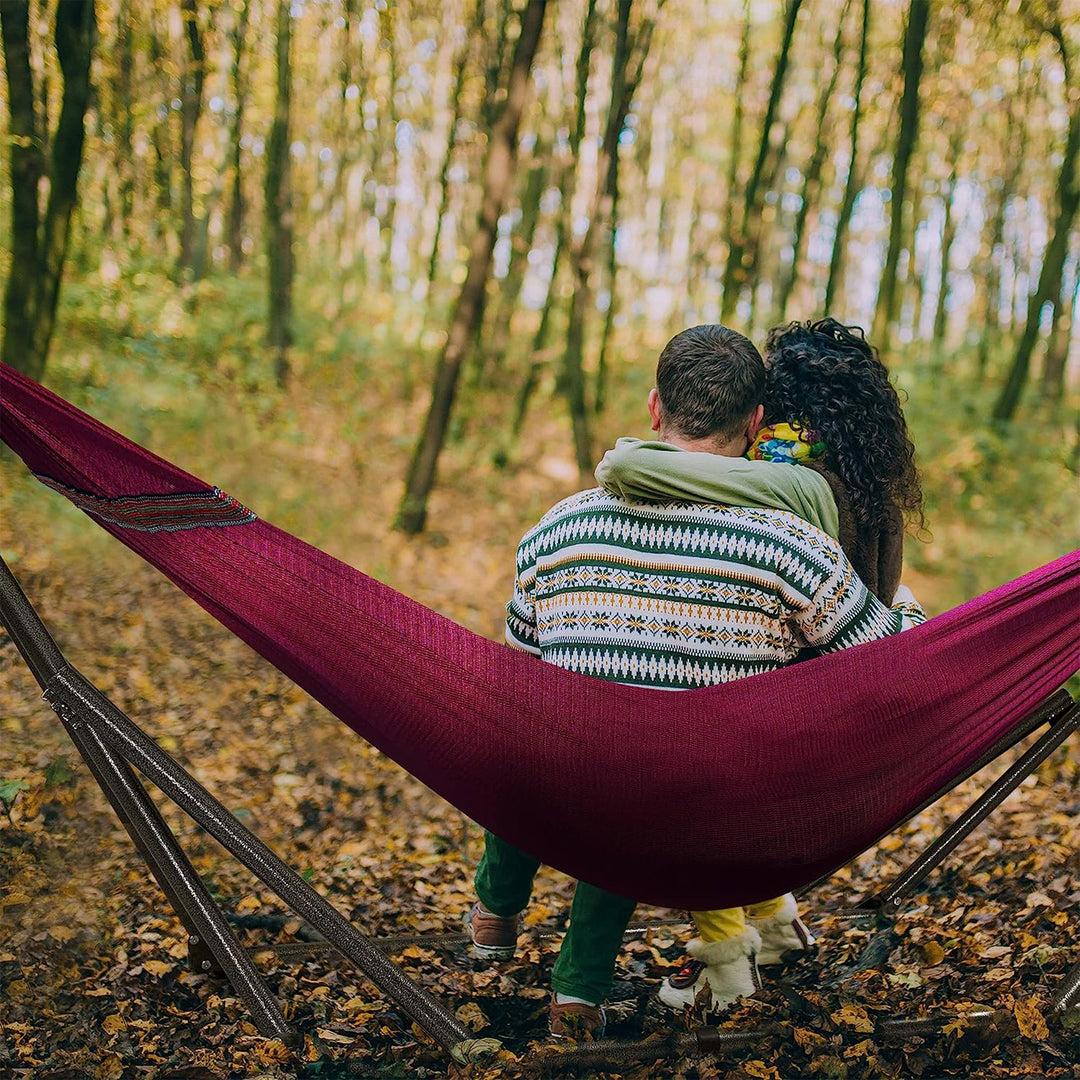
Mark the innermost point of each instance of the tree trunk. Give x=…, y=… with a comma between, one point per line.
x=279, y=224
x=851, y=184
x=565, y=177
x=735, y=271
x=234, y=228
x=1049, y=287
x=731, y=222
x=1016, y=155
x=812, y=178
x=888, y=295
x=462, y=64
x=1057, y=352
x=521, y=245
x=498, y=182
x=627, y=68
x=389, y=161
x=39, y=246
x=27, y=168
x=193, y=78
x=948, y=235
x=612, y=270
x=163, y=156
x=125, y=157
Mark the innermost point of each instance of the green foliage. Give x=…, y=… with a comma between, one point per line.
x=9, y=792
x=58, y=772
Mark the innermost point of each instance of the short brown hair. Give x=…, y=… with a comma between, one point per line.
x=710, y=379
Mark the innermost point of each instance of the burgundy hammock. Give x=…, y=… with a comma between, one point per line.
x=698, y=799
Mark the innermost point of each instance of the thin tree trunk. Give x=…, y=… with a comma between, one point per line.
x=1048, y=290
x=1057, y=352
x=163, y=156
x=125, y=130
x=279, y=224
x=739, y=247
x=389, y=159
x=600, y=398
x=521, y=245
x=498, y=182
x=38, y=254
x=193, y=78
x=234, y=229
x=563, y=224
x=888, y=295
x=812, y=177
x=731, y=223
x=948, y=235
x=461, y=68
x=1016, y=156
x=851, y=184
x=627, y=68
x=27, y=168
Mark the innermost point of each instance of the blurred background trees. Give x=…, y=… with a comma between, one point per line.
x=512, y=227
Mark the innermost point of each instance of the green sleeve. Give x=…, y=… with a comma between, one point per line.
x=654, y=470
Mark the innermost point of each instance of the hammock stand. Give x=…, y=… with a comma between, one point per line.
x=113, y=746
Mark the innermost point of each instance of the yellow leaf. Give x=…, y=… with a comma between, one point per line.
x=111, y=1067
x=13, y=899
x=1029, y=1019
x=854, y=1017
x=761, y=1070
x=61, y=933
x=473, y=1016
x=157, y=967
x=933, y=953
x=333, y=1037
x=113, y=1024
x=808, y=1040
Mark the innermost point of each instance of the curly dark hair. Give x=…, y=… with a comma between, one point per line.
x=827, y=377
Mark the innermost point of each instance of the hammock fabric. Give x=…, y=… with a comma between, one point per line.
x=703, y=798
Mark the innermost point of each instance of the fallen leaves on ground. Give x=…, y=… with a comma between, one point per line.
x=94, y=976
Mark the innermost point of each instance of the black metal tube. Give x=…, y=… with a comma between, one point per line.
x=68, y=687
x=1048, y=710
x=719, y=1042
x=154, y=837
x=35, y=644
x=1068, y=991
x=893, y=895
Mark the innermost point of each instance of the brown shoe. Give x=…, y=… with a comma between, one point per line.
x=576, y=1020
x=494, y=937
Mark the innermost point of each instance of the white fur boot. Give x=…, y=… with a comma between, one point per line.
x=781, y=933
x=726, y=967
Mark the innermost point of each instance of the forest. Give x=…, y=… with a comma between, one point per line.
x=395, y=274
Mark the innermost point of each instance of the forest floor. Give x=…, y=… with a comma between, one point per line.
x=93, y=975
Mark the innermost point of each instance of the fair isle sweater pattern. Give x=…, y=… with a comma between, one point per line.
x=677, y=595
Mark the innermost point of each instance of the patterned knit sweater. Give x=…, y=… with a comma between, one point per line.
x=677, y=595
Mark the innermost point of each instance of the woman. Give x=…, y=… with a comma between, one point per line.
x=829, y=406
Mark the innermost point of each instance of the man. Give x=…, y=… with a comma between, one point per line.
x=672, y=595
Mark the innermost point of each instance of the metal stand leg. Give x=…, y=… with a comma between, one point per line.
x=1068, y=992
x=71, y=694
x=168, y=862
x=200, y=958
x=889, y=899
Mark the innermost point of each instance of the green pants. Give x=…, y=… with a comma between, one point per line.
x=598, y=919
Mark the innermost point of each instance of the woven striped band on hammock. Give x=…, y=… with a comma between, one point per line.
x=159, y=513
x=705, y=798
